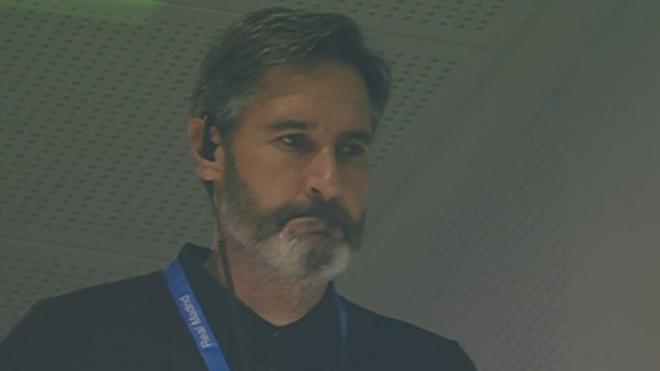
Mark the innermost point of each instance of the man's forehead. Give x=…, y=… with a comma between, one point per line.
x=289, y=97
x=291, y=79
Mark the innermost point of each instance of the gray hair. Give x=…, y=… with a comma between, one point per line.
x=238, y=60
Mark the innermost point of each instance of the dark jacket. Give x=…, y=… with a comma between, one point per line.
x=134, y=324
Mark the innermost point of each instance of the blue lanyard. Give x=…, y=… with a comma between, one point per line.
x=340, y=302
x=208, y=346
x=192, y=314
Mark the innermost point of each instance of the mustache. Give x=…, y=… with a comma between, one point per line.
x=329, y=210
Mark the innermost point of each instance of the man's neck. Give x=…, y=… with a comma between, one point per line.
x=278, y=301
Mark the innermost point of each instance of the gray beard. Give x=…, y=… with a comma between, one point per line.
x=285, y=256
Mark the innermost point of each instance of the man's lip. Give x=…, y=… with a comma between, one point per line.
x=306, y=218
x=314, y=225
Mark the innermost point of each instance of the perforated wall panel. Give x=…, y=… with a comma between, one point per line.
x=499, y=266
x=95, y=109
x=423, y=74
x=481, y=23
x=97, y=185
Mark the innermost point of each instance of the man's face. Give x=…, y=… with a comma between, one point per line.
x=296, y=173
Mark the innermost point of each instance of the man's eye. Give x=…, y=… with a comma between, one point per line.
x=296, y=141
x=353, y=150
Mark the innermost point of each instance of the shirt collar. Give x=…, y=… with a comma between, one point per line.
x=316, y=332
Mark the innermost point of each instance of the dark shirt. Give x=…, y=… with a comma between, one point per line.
x=134, y=324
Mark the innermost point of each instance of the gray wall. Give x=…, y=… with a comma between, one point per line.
x=613, y=234
x=515, y=195
x=531, y=229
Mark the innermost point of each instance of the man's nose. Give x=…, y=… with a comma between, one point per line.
x=323, y=177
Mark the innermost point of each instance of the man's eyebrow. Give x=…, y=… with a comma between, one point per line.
x=363, y=136
x=290, y=124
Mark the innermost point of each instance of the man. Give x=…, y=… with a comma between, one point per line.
x=284, y=115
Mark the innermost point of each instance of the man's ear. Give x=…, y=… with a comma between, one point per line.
x=206, y=168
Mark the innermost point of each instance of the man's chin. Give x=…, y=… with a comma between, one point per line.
x=318, y=240
x=308, y=258
x=325, y=264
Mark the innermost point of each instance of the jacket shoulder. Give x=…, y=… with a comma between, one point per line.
x=117, y=299
x=400, y=343
x=90, y=322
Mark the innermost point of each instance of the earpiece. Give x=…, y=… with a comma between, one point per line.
x=208, y=147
